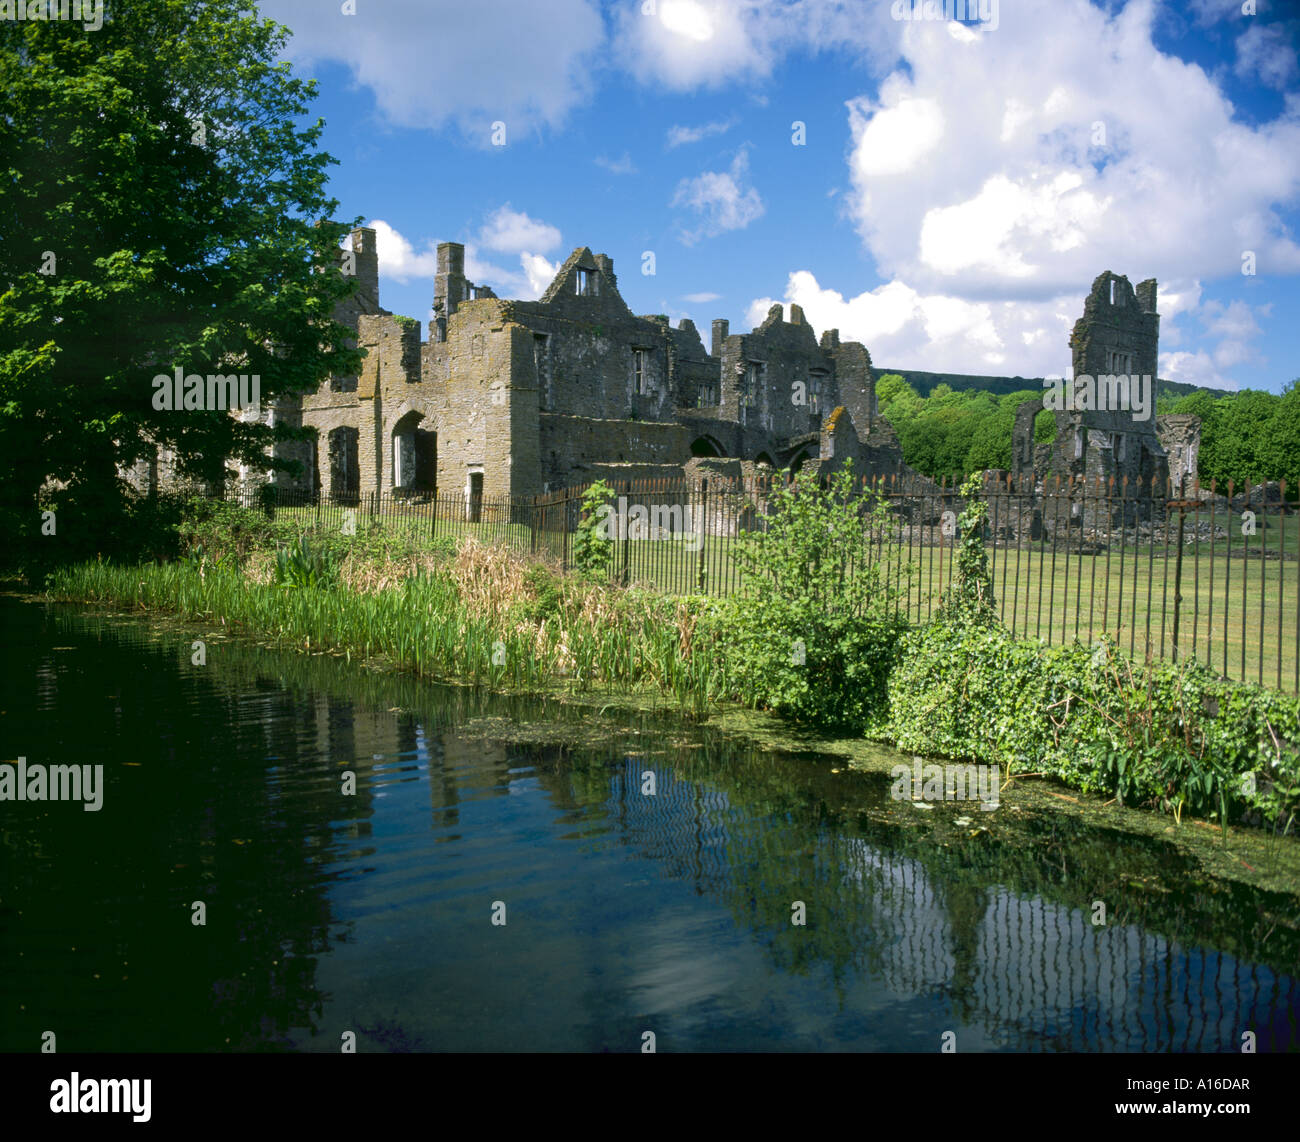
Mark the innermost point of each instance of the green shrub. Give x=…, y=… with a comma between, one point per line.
x=544, y=595
x=815, y=633
x=1170, y=736
x=301, y=567
x=593, y=549
x=90, y=521
x=225, y=529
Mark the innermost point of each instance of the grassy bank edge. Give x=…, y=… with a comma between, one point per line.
x=1237, y=853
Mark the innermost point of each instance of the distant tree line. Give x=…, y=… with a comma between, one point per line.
x=1244, y=435
x=1247, y=435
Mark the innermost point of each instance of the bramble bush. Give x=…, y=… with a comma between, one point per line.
x=814, y=633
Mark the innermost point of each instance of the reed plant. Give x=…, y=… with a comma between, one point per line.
x=483, y=616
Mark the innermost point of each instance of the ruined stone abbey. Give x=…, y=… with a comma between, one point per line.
x=523, y=397
x=518, y=398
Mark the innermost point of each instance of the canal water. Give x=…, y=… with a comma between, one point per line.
x=502, y=878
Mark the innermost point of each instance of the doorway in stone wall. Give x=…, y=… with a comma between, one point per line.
x=414, y=457
x=311, y=477
x=707, y=446
x=474, y=509
x=344, y=468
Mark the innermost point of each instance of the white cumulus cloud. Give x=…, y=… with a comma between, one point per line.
x=506, y=232
x=1011, y=165
x=1196, y=368
x=721, y=200
x=1269, y=52
x=398, y=258
x=430, y=62
x=902, y=327
x=513, y=232
x=685, y=44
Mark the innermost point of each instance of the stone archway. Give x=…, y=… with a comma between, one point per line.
x=799, y=461
x=707, y=446
x=414, y=465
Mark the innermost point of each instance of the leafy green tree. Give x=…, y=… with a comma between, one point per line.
x=160, y=209
x=1231, y=449
x=890, y=387
x=1279, y=451
x=899, y=402
x=1012, y=401
x=1246, y=435
x=990, y=443
x=1200, y=404
x=924, y=443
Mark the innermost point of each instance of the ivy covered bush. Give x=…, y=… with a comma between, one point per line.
x=1168, y=735
x=814, y=633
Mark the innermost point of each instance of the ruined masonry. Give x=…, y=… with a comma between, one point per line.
x=518, y=398
x=1118, y=335
x=524, y=397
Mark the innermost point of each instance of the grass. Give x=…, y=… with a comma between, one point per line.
x=1229, y=614
x=1238, y=616
x=481, y=616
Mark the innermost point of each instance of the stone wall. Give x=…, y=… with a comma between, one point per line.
x=573, y=446
x=1180, y=434
x=1118, y=334
x=514, y=397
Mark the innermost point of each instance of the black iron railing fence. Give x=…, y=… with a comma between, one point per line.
x=1210, y=573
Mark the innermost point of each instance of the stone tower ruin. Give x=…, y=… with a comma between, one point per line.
x=1106, y=430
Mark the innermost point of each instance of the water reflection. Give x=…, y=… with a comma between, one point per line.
x=625, y=912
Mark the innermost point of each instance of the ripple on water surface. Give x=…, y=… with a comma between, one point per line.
x=380, y=856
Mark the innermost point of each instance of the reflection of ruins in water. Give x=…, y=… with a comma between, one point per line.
x=1032, y=972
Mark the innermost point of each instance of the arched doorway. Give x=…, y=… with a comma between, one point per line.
x=707, y=446
x=799, y=461
x=414, y=455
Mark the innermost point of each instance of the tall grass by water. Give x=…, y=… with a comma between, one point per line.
x=831, y=657
x=481, y=617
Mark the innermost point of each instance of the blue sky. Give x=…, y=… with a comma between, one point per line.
x=958, y=187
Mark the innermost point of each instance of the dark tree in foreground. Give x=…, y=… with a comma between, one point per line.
x=160, y=207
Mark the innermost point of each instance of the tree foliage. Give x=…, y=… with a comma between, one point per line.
x=1247, y=435
x=813, y=635
x=160, y=209
x=954, y=432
